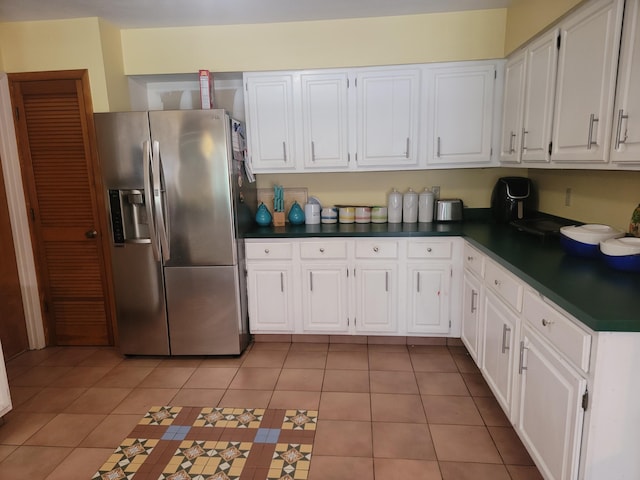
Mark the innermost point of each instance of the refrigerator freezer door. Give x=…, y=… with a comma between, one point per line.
x=195, y=156
x=204, y=311
x=140, y=303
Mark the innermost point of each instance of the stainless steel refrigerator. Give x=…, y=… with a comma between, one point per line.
x=179, y=202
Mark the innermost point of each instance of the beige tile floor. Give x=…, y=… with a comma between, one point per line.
x=385, y=411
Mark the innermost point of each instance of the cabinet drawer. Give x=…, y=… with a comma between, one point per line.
x=323, y=250
x=473, y=260
x=572, y=341
x=376, y=249
x=504, y=284
x=426, y=249
x=267, y=250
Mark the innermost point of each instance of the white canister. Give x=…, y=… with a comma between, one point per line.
x=410, y=207
x=394, y=207
x=346, y=214
x=312, y=213
x=329, y=215
x=363, y=214
x=425, y=206
x=378, y=214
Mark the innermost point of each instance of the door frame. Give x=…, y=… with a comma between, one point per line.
x=19, y=220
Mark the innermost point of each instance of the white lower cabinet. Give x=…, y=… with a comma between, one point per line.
x=471, y=332
x=270, y=298
x=270, y=286
x=376, y=298
x=5, y=396
x=499, y=327
x=364, y=286
x=551, y=410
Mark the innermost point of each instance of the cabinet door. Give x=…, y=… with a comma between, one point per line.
x=388, y=103
x=587, y=68
x=325, y=120
x=512, y=109
x=470, y=333
x=625, y=146
x=376, y=298
x=462, y=116
x=270, y=293
x=550, y=415
x=499, y=334
x=429, y=287
x=270, y=122
x=541, y=70
x=324, y=298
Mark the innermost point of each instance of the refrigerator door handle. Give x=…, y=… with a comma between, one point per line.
x=148, y=199
x=159, y=199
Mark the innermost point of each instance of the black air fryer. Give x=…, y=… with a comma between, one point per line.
x=513, y=199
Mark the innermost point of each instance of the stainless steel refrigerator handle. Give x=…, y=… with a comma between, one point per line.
x=158, y=197
x=148, y=199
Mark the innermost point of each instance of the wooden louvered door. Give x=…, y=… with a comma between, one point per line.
x=54, y=123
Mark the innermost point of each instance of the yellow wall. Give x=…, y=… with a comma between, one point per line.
x=525, y=18
x=57, y=45
x=467, y=35
x=607, y=197
x=473, y=186
x=116, y=81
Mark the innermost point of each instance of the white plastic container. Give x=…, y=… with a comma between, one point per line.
x=410, y=207
x=425, y=206
x=312, y=213
x=394, y=207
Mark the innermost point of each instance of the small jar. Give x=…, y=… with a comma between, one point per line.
x=363, y=214
x=346, y=214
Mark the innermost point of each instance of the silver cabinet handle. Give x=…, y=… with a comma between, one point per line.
x=386, y=281
x=511, y=139
x=521, y=366
x=438, y=148
x=621, y=117
x=406, y=155
x=282, y=282
x=311, y=281
x=474, y=298
x=505, y=332
x=470, y=258
x=429, y=249
x=523, y=142
x=313, y=151
x=496, y=282
x=284, y=151
x=375, y=249
x=266, y=250
x=546, y=323
x=418, y=283
x=590, y=142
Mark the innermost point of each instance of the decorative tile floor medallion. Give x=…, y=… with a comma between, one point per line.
x=215, y=443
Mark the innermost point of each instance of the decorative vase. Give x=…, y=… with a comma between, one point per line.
x=263, y=216
x=296, y=215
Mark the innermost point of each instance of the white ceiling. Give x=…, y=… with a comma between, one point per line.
x=165, y=13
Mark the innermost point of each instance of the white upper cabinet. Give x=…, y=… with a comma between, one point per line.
x=325, y=120
x=461, y=101
x=388, y=106
x=540, y=81
x=625, y=143
x=587, y=68
x=269, y=109
x=510, y=138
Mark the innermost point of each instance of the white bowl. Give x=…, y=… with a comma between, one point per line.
x=591, y=234
x=621, y=246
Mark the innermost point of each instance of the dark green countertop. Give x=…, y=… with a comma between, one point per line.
x=600, y=297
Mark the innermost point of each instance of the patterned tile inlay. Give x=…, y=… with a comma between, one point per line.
x=215, y=443
x=127, y=459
